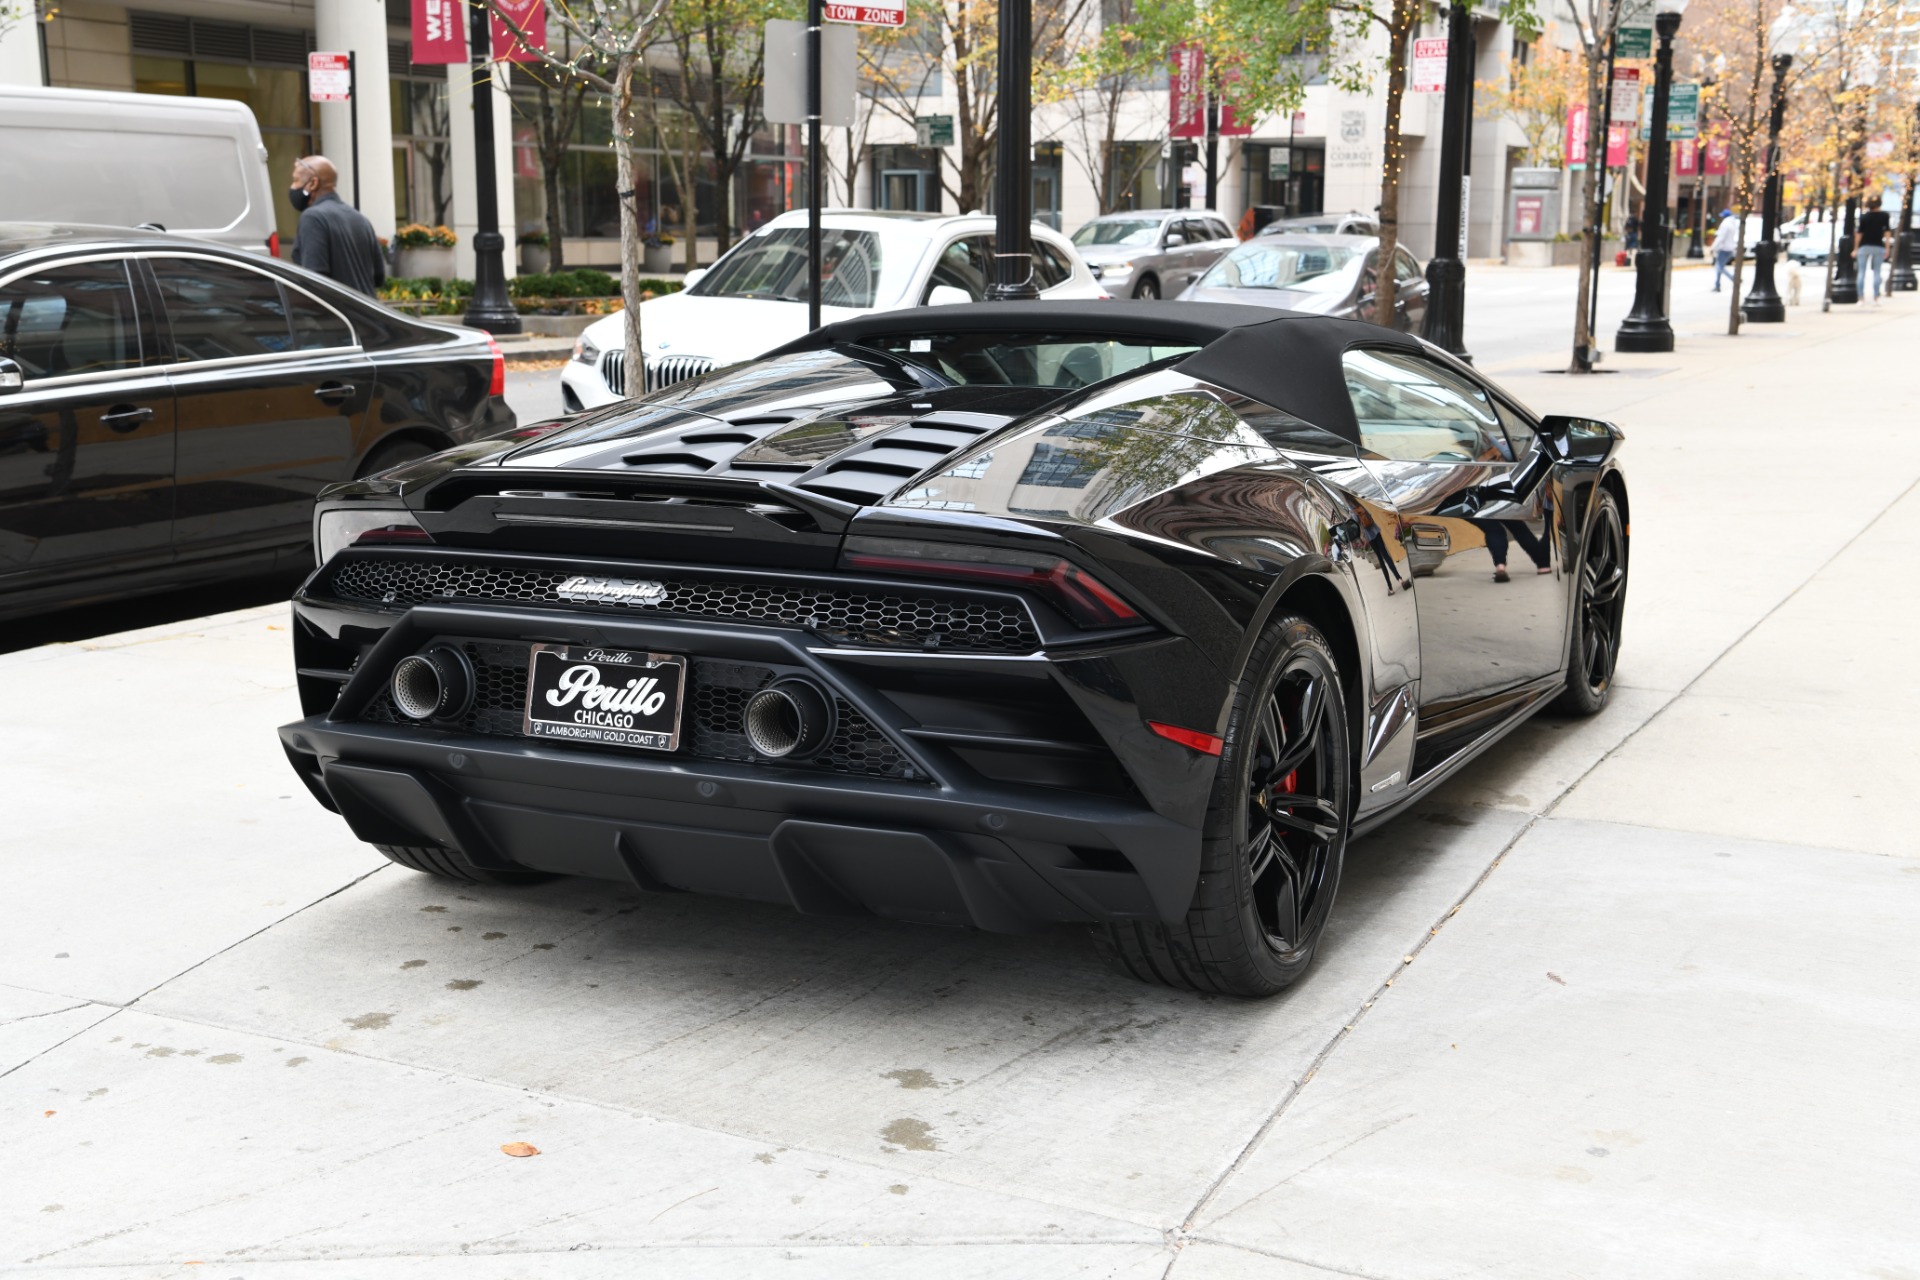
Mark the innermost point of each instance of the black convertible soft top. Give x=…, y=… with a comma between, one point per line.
x=1285, y=359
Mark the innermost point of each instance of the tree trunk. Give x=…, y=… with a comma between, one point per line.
x=630, y=229
x=1405, y=14
x=551, y=158
x=1593, y=193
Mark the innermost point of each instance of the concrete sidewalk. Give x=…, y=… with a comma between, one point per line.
x=1631, y=996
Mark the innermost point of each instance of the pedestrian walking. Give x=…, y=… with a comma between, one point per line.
x=1870, y=249
x=334, y=239
x=1726, y=242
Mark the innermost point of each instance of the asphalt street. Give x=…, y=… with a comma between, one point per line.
x=1630, y=996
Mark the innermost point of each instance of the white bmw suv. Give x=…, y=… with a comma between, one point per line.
x=754, y=298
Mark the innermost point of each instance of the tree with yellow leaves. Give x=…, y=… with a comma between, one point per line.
x=1536, y=96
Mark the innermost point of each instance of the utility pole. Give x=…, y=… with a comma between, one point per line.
x=1445, y=321
x=490, y=308
x=816, y=18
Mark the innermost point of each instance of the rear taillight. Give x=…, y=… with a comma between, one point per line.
x=1085, y=599
x=499, y=385
x=273, y=244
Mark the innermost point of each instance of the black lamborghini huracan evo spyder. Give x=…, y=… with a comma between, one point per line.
x=996, y=615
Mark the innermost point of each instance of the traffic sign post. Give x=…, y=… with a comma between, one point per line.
x=933, y=131
x=330, y=78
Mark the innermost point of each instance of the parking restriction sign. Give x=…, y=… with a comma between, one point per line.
x=329, y=77
x=887, y=13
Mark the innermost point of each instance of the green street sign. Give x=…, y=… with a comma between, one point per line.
x=1683, y=112
x=1633, y=42
x=933, y=131
x=1279, y=165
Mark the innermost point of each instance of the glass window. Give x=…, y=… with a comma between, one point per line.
x=1413, y=410
x=72, y=319
x=316, y=326
x=1264, y=264
x=1128, y=231
x=219, y=311
x=774, y=266
x=1026, y=359
x=1050, y=266
x=1405, y=269
x=966, y=264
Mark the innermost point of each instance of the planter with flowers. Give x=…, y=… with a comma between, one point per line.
x=658, y=255
x=425, y=251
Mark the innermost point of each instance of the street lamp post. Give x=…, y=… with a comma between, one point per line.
x=1764, y=304
x=1903, y=277
x=1646, y=327
x=1013, y=183
x=490, y=308
x=1445, y=320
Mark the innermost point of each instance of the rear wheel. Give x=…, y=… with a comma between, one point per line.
x=1275, y=835
x=1597, y=611
x=447, y=865
x=1148, y=288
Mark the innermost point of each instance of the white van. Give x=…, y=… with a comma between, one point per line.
x=193, y=166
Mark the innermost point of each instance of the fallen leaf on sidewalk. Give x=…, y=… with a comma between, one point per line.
x=1557, y=978
x=45, y=1114
x=521, y=1149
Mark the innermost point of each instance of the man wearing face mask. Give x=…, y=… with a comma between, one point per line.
x=334, y=239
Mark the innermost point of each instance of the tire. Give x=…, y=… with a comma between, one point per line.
x=1148, y=289
x=448, y=866
x=1594, y=649
x=392, y=454
x=1268, y=874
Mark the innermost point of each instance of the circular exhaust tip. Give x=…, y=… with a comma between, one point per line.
x=436, y=684
x=788, y=720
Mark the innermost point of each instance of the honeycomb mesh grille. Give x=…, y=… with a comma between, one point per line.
x=894, y=619
x=716, y=700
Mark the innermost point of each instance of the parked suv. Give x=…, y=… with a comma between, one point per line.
x=1152, y=253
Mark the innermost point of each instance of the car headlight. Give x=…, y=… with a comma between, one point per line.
x=1116, y=269
x=341, y=527
x=584, y=351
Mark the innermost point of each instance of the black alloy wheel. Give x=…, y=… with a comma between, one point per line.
x=1598, y=611
x=1275, y=837
x=1148, y=289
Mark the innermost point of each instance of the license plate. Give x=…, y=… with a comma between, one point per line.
x=614, y=697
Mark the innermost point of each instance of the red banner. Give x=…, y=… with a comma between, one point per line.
x=1232, y=123
x=1686, y=157
x=1716, y=153
x=531, y=17
x=1617, y=135
x=1187, y=93
x=1576, y=144
x=439, y=32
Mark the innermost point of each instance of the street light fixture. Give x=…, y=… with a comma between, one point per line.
x=1764, y=304
x=490, y=308
x=1445, y=320
x=1646, y=327
x=1845, y=289
x=1708, y=74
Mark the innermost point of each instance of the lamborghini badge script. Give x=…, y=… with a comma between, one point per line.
x=612, y=591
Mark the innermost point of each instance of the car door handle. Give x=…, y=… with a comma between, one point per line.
x=334, y=392
x=125, y=417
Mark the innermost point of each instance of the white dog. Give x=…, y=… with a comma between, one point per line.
x=1793, y=284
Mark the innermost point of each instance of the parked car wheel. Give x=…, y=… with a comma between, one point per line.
x=1148, y=288
x=442, y=863
x=1275, y=835
x=1597, y=617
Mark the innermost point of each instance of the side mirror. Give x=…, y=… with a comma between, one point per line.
x=947, y=295
x=11, y=379
x=694, y=277
x=1573, y=439
x=1175, y=240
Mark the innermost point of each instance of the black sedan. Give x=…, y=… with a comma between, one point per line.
x=1324, y=275
x=990, y=616
x=170, y=408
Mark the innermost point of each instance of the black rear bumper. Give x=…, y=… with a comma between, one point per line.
x=1001, y=860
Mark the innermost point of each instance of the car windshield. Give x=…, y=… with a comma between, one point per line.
x=1027, y=359
x=857, y=268
x=1118, y=231
x=1280, y=266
